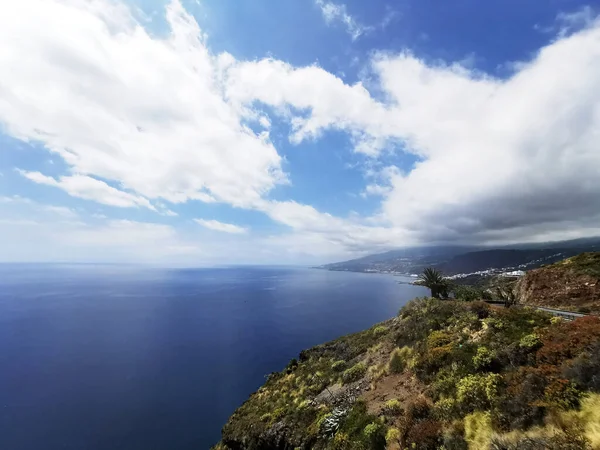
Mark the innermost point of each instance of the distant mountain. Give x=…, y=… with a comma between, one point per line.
x=406, y=260
x=453, y=260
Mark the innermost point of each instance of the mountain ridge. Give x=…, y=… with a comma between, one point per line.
x=454, y=260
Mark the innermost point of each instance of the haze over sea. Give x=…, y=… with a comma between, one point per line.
x=101, y=357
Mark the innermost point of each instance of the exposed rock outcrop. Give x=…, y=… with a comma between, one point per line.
x=572, y=284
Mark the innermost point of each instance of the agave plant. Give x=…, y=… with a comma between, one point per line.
x=435, y=281
x=331, y=424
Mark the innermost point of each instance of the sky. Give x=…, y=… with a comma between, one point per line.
x=208, y=132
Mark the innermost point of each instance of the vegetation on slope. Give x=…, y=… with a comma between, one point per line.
x=442, y=375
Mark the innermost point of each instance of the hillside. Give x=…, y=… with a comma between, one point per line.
x=571, y=284
x=443, y=374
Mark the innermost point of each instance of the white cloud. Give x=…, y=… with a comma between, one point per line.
x=493, y=156
x=90, y=189
x=162, y=118
x=221, y=226
x=118, y=104
x=337, y=12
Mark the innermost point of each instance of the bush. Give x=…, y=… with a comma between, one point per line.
x=522, y=407
x=421, y=316
x=562, y=394
x=392, y=436
x=418, y=409
x=439, y=339
x=425, y=435
x=379, y=330
x=585, y=369
x=467, y=293
x=393, y=407
x=446, y=379
x=354, y=373
x=478, y=391
x=530, y=341
x=362, y=429
x=481, y=309
x=567, y=340
x=338, y=366
x=484, y=358
x=445, y=409
x=453, y=437
x=374, y=432
x=399, y=359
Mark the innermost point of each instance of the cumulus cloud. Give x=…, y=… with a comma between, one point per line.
x=337, y=12
x=118, y=104
x=221, y=226
x=497, y=159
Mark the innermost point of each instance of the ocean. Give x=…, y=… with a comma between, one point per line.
x=110, y=357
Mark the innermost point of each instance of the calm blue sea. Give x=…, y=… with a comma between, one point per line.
x=126, y=358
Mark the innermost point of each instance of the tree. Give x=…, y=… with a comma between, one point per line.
x=435, y=281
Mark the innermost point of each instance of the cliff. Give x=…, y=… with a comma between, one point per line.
x=442, y=375
x=571, y=284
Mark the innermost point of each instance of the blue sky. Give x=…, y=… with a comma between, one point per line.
x=299, y=131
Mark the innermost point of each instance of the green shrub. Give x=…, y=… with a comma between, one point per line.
x=372, y=429
x=530, y=341
x=379, y=330
x=481, y=309
x=338, y=366
x=439, y=339
x=399, y=359
x=362, y=429
x=467, y=293
x=483, y=358
x=445, y=409
x=354, y=373
x=375, y=435
x=446, y=379
x=393, y=407
x=392, y=436
x=478, y=391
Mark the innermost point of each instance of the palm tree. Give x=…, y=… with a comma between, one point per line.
x=435, y=281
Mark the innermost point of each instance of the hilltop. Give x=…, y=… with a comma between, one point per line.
x=571, y=284
x=442, y=374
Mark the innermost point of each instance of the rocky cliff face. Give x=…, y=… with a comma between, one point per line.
x=572, y=284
